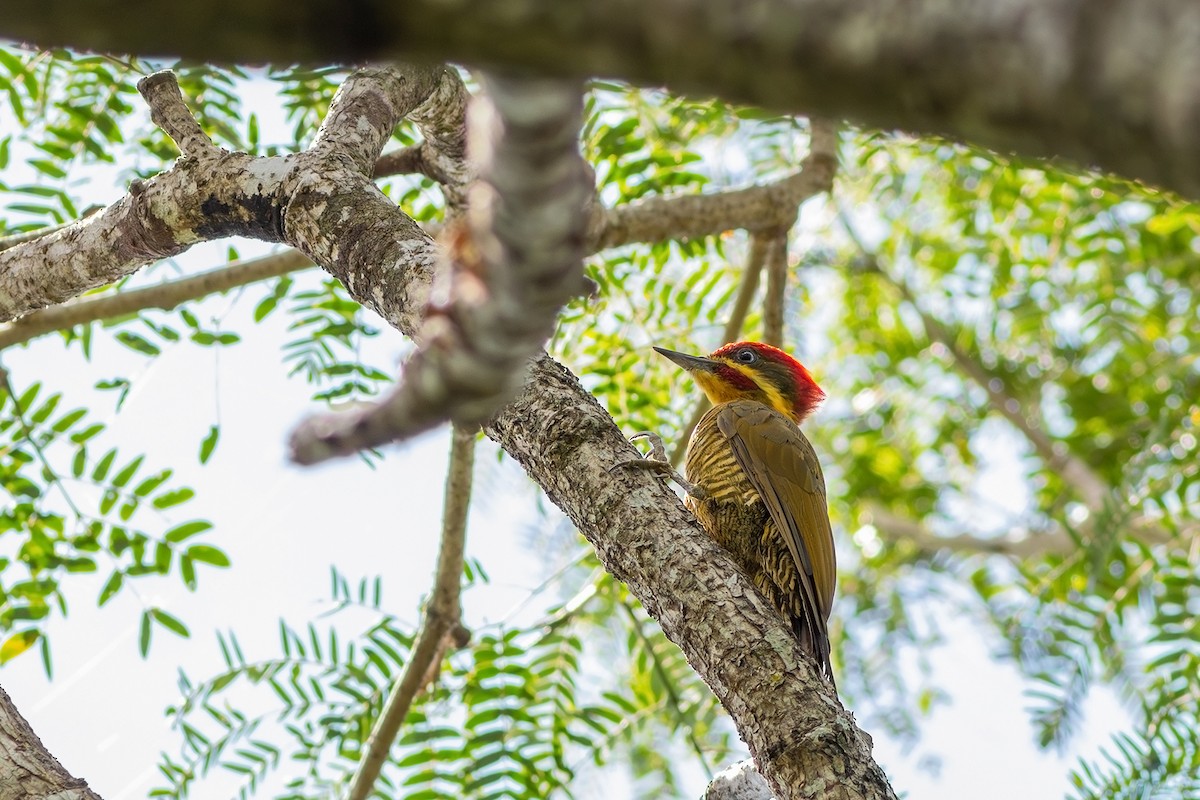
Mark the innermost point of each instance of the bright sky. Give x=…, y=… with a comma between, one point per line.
x=283, y=527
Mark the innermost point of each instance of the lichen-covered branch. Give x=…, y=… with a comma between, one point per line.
x=14, y=239
x=765, y=207
x=211, y=194
x=517, y=262
x=726, y=209
x=442, y=120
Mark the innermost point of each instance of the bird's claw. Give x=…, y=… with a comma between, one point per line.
x=658, y=451
x=657, y=461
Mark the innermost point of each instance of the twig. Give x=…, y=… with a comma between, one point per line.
x=689, y=216
x=443, y=614
x=404, y=161
x=1018, y=544
x=165, y=296
x=776, y=265
x=171, y=114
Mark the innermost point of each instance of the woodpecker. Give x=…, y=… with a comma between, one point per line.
x=754, y=482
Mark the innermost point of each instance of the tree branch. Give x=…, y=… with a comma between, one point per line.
x=725, y=208
x=1030, y=76
x=166, y=295
x=443, y=615
x=14, y=239
x=776, y=267
x=1018, y=544
x=764, y=207
x=442, y=120
x=171, y=114
x=27, y=769
x=211, y=194
x=519, y=263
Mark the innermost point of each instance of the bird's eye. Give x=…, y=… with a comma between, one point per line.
x=746, y=356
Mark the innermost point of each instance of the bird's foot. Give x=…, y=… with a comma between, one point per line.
x=656, y=461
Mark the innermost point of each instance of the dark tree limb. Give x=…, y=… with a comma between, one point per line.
x=518, y=261
x=1113, y=84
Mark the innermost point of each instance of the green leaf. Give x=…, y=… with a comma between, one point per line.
x=122, y=477
x=111, y=587
x=208, y=555
x=171, y=623
x=137, y=343
x=185, y=531
x=173, y=498
x=187, y=570
x=209, y=444
x=100, y=471
x=18, y=643
x=144, y=634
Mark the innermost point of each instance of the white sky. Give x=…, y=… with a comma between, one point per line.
x=283, y=527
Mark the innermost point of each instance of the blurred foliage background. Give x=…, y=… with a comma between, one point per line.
x=1009, y=349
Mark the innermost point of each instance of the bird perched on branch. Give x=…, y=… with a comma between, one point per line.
x=754, y=482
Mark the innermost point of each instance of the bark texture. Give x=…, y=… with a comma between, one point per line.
x=27, y=770
x=1114, y=84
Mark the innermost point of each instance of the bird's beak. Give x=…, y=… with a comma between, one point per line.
x=690, y=363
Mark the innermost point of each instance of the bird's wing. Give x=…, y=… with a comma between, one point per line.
x=783, y=468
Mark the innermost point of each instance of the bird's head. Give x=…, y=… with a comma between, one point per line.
x=753, y=371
